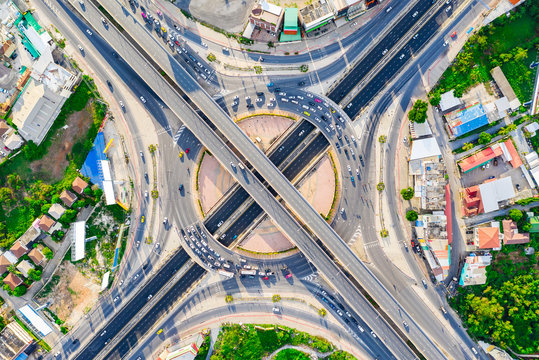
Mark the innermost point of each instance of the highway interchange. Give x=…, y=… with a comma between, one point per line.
x=254, y=187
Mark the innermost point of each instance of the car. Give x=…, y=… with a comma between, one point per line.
x=265, y=277
x=122, y=105
x=444, y=311
x=142, y=219
x=301, y=83
x=146, y=194
x=106, y=342
x=361, y=160
x=349, y=168
x=424, y=282
x=373, y=334
x=357, y=172
x=89, y=32
x=360, y=328
x=448, y=9
x=187, y=150
x=307, y=113
x=116, y=299
x=317, y=100
x=143, y=99
x=517, y=186
x=474, y=351
x=165, y=221
x=415, y=14
x=402, y=56
x=103, y=333
x=103, y=21
x=220, y=223
x=389, y=9
x=453, y=35
x=150, y=296
x=405, y=324
x=138, y=243
x=81, y=48
x=121, y=283
x=181, y=187
x=384, y=52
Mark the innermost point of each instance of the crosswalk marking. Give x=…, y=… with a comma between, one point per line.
x=178, y=134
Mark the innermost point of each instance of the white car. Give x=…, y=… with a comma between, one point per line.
x=116, y=298
x=349, y=168
x=89, y=32
x=143, y=99
x=384, y=52
x=81, y=48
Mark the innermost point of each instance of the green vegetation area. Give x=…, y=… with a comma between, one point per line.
x=256, y=341
x=505, y=311
x=508, y=42
x=204, y=348
x=418, y=113
x=28, y=187
x=291, y=354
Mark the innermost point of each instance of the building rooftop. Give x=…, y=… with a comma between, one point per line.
x=79, y=185
x=68, y=198
x=534, y=222
x=316, y=13
x=12, y=281
x=46, y=223
x=29, y=235
x=78, y=240
x=463, y=121
x=505, y=87
x=488, y=237
x=511, y=236
x=474, y=270
x=424, y=148
x=13, y=341
x=25, y=266
x=18, y=249
x=36, y=256
x=56, y=211
x=494, y=192
x=448, y=101
x=505, y=149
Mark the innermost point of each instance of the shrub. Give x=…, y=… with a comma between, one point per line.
x=380, y=186
x=47, y=253
x=407, y=194
x=19, y=291
x=484, y=138
x=276, y=298
x=467, y=146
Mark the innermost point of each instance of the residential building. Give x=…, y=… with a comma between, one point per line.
x=449, y=102
x=35, y=111
x=14, y=340
x=36, y=256
x=46, y=223
x=350, y=9
x=511, y=236
x=35, y=322
x=56, y=211
x=79, y=185
x=18, y=249
x=505, y=87
x=6, y=259
x=12, y=281
x=7, y=49
x=68, y=198
x=30, y=235
x=13, y=141
x=505, y=150
x=24, y=267
x=533, y=163
x=266, y=16
x=425, y=148
x=531, y=128
x=432, y=234
x=316, y=14
x=474, y=269
x=5, y=129
x=487, y=197
x=488, y=237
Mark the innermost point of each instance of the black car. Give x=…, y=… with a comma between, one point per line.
x=277, y=89
x=301, y=83
x=361, y=159
x=311, y=103
x=181, y=187
x=324, y=118
x=109, y=85
x=259, y=93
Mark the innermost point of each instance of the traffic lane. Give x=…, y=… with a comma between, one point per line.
x=392, y=67
x=243, y=222
x=134, y=305
x=238, y=197
x=258, y=191
x=373, y=57
x=159, y=309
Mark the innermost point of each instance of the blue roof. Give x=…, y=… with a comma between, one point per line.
x=92, y=167
x=472, y=118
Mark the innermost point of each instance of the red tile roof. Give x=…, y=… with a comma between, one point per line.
x=480, y=158
x=45, y=223
x=18, y=249
x=4, y=263
x=511, y=236
x=12, y=280
x=489, y=237
x=68, y=198
x=36, y=256
x=515, y=161
x=79, y=185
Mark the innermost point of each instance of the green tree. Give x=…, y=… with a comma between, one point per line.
x=69, y=216
x=408, y=193
x=515, y=214
x=47, y=253
x=484, y=138
x=6, y=196
x=467, y=146
x=34, y=274
x=19, y=291
x=418, y=113
x=411, y=215
x=520, y=54
x=435, y=99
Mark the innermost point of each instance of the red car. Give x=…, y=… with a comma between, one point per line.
x=265, y=278
x=454, y=34
x=187, y=150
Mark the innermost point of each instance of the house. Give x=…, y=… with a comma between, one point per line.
x=266, y=16
x=505, y=87
x=474, y=270
x=487, y=238
x=18, y=249
x=46, y=223
x=14, y=341
x=449, y=102
x=5, y=129
x=488, y=196
x=30, y=235
x=36, y=256
x=68, y=198
x=8, y=48
x=534, y=222
x=531, y=128
x=13, y=141
x=511, y=236
x=291, y=30
x=35, y=111
x=12, y=281
x=79, y=185
x=56, y=211
x=316, y=14
x=24, y=267
x=4, y=263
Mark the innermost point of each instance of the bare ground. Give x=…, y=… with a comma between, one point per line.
x=73, y=294
x=55, y=161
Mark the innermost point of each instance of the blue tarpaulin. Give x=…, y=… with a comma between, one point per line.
x=92, y=165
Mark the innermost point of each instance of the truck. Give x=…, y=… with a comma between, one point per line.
x=225, y=273
x=248, y=272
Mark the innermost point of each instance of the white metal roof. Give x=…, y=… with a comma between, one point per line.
x=105, y=169
x=271, y=8
x=105, y=281
x=420, y=129
x=77, y=243
x=37, y=321
x=424, y=148
x=108, y=188
x=495, y=191
x=449, y=101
